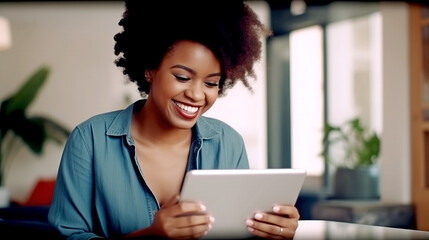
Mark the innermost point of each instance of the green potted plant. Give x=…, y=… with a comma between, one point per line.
x=32, y=130
x=354, y=151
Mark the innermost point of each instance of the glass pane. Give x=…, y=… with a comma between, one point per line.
x=425, y=64
x=306, y=89
x=425, y=12
x=426, y=160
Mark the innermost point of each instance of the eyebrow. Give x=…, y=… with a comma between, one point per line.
x=192, y=71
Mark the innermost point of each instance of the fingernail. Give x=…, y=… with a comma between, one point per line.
x=258, y=215
x=276, y=209
x=210, y=226
x=251, y=229
x=212, y=219
x=249, y=222
x=203, y=207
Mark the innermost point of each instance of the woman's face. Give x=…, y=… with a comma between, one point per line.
x=185, y=85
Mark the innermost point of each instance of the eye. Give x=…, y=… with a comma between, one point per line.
x=182, y=78
x=212, y=84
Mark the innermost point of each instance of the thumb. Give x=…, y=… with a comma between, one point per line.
x=172, y=201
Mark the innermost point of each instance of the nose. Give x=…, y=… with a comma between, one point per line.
x=195, y=91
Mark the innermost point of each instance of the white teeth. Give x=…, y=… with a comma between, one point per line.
x=187, y=108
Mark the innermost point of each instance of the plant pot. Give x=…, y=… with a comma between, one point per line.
x=357, y=183
x=4, y=197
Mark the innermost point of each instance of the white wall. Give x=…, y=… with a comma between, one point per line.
x=76, y=41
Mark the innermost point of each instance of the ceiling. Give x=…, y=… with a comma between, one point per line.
x=320, y=12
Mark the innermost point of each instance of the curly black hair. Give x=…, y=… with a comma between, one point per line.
x=150, y=28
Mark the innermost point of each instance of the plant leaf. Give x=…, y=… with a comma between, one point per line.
x=26, y=94
x=356, y=125
x=4, y=118
x=359, y=148
x=29, y=130
x=53, y=130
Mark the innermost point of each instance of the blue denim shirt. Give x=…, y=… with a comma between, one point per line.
x=100, y=189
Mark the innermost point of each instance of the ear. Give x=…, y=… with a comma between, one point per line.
x=148, y=75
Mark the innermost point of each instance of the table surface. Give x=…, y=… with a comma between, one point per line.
x=321, y=229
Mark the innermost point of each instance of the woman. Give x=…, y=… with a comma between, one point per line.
x=121, y=172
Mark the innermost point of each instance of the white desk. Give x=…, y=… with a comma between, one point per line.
x=321, y=229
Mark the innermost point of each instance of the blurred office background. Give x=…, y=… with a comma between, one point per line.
x=327, y=61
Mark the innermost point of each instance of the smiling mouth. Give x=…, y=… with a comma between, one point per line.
x=186, y=108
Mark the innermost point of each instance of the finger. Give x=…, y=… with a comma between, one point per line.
x=262, y=234
x=172, y=201
x=187, y=208
x=288, y=210
x=277, y=220
x=193, y=232
x=272, y=223
x=193, y=220
x=266, y=230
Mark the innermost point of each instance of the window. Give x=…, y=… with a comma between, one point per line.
x=307, y=99
x=353, y=83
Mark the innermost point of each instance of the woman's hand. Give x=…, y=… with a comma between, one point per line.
x=178, y=220
x=280, y=224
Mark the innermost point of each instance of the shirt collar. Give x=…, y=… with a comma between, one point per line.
x=121, y=125
x=205, y=130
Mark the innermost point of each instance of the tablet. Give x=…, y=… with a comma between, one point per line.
x=234, y=195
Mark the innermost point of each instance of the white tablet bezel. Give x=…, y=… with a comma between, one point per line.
x=233, y=195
